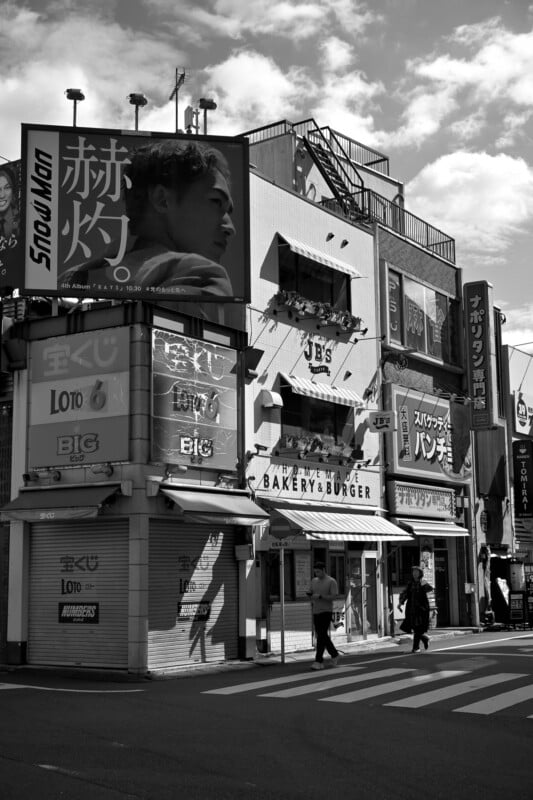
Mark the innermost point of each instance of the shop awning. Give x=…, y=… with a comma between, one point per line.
x=524, y=531
x=430, y=527
x=226, y=508
x=49, y=505
x=322, y=391
x=338, y=526
x=316, y=255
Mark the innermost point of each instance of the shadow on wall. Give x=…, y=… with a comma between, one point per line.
x=193, y=594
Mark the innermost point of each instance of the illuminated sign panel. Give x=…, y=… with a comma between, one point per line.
x=194, y=402
x=81, y=239
x=79, y=399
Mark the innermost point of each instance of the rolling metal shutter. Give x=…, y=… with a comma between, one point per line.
x=193, y=594
x=78, y=611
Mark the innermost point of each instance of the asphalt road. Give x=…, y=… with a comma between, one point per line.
x=455, y=722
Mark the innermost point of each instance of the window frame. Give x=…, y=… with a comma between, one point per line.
x=296, y=266
x=403, y=324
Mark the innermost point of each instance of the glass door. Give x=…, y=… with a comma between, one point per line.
x=362, y=597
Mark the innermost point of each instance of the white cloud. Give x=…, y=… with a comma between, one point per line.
x=482, y=201
x=487, y=70
x=296, y=20
x=41, y=56
x=518, y=329
x=513, y=126
x=337, y=55
x=423, y=117
x=252, y=90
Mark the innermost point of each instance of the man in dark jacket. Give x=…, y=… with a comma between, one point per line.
x=417, y=609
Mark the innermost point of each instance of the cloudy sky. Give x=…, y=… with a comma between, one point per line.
x=445, y=89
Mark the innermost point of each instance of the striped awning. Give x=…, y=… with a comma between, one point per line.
x=322, y=391
x=342, y=527
x=524, y=531
x=316, y=255
x=431, y=527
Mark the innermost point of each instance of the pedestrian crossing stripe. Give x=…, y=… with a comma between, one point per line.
x=499, y=701
x=392, y=686
x=455, y=690
x=309, y=683
x=336, y=682
x=306, y=676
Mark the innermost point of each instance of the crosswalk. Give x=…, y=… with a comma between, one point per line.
x=352, y=684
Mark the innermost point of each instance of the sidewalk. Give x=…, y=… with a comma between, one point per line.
x=365, y=646
x=260, y=659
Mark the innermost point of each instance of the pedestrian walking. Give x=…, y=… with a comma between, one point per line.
x=416, y=621
x=323, y=592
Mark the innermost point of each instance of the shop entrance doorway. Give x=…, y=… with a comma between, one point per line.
x=442, y=594
x=361, y=598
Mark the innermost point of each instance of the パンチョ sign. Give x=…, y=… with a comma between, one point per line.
x=432, y=439
x=79, y=399
x=194, y=402
x=153, y=216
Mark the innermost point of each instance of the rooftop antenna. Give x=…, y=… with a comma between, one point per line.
x=178, y=83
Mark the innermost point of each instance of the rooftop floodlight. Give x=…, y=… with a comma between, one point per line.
x=206, y=104
x=138, y=100
x=76, y=95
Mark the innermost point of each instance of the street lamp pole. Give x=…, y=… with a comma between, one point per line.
x=76, y=95
x=138, y=100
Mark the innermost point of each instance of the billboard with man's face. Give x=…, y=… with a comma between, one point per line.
x=132, y=215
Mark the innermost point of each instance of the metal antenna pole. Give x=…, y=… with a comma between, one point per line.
x=178, y=83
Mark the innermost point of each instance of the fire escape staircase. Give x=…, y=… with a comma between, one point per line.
x=344, y=181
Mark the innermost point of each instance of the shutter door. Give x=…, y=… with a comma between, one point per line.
x=193, y=594
x=79, y=594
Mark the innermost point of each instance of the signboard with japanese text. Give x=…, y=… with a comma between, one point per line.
x=480, y=353
x=11, y=259
x=382, y=421
x=423, y=501
x=194, y=402
x=79, y=399
x=523, y=413
x=433, y=436
x=523, y=478
x=102, y=217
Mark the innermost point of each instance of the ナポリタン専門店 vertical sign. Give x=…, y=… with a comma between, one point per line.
x=480, y=353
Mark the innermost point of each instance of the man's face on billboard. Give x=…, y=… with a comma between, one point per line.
x=199, y=219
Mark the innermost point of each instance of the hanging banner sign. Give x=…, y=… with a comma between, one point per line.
x=523, y=413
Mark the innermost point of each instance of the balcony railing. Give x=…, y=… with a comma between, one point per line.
x=367, y=204
x=342, y=145
x=373, y=207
